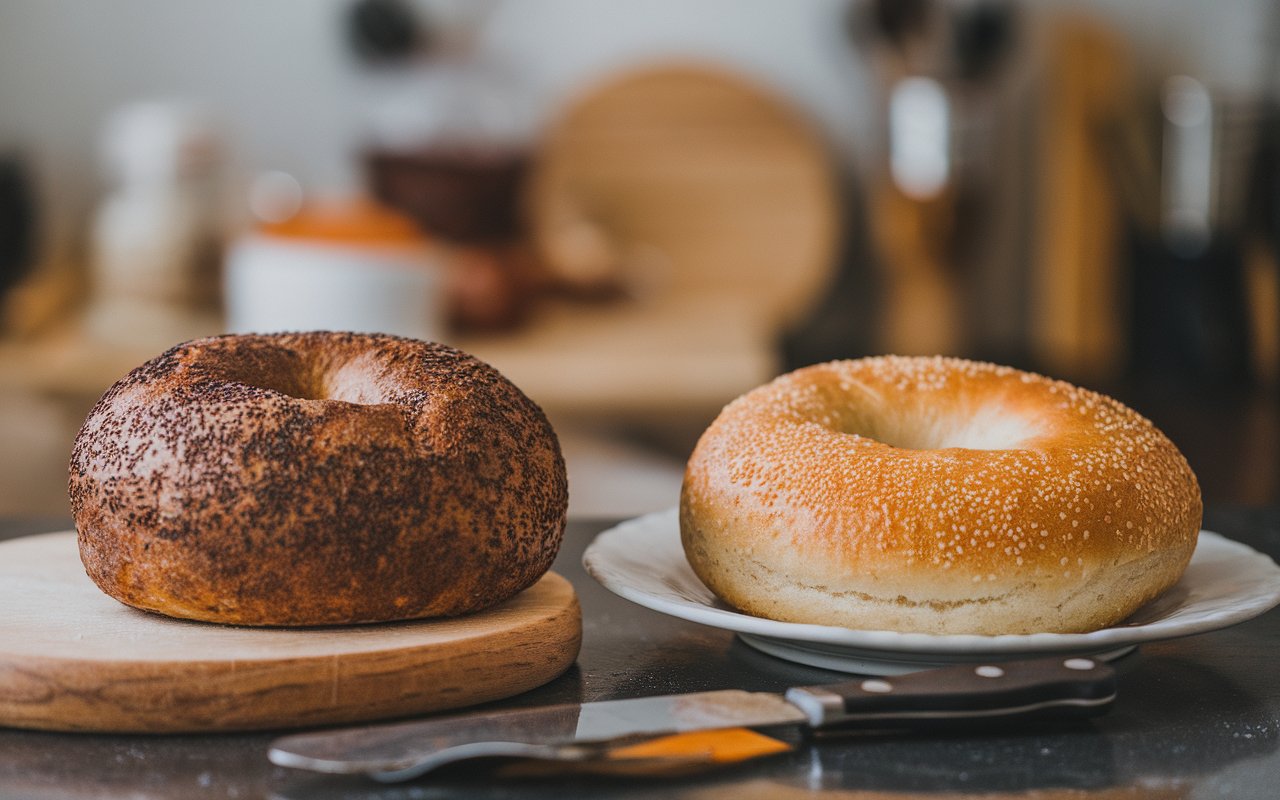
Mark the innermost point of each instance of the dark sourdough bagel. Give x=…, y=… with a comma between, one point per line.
x=316, y=478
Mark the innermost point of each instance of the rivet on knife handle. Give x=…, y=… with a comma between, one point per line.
x=972, y=692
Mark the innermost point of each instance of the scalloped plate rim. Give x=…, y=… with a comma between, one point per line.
x=600, y=561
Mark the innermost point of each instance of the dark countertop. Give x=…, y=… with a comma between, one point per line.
x=1197, y=717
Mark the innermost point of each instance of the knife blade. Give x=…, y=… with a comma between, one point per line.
x=1062, y=686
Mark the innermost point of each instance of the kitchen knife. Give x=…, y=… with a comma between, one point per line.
x=1063, y=686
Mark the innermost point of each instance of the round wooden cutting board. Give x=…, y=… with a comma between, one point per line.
x=699, y=181
x=74, y=659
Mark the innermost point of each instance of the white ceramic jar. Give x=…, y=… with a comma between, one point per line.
x=335, y=277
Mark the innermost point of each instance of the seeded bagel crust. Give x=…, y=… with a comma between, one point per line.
x=315, y=479
x=936, y=495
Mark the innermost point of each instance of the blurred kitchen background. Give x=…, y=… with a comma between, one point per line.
x=639, y=209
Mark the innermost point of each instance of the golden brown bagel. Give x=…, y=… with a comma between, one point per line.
x=313, y=479
x=939, y=496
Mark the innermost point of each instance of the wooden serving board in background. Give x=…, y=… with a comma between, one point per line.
x=74, y=659
x=705, y=184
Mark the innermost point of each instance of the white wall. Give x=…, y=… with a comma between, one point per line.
x=292, y=99
x=275, y=70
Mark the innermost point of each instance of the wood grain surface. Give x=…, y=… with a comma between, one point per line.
x=73, y=659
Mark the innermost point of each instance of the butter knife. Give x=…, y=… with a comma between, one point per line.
x=993, y=693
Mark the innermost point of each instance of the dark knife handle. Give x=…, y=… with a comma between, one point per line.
x=1062, y=686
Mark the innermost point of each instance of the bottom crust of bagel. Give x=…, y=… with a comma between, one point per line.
x=1024, y=605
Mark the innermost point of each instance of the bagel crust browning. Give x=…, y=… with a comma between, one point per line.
x=315, y=479
x=936, y=495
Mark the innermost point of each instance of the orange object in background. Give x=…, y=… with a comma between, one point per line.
x=337, y=264
x=356, y=220
x=485, y=285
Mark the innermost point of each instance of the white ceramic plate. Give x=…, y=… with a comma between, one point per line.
x=643, y=561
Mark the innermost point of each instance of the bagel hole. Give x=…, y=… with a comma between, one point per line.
x=275, y=370
x=302, y=386
x=355, y=382
x=986, y=429
x=351, y=382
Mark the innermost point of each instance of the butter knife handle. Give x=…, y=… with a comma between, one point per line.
x=1062, y=686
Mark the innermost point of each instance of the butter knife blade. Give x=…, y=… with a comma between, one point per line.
x=960, y=694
